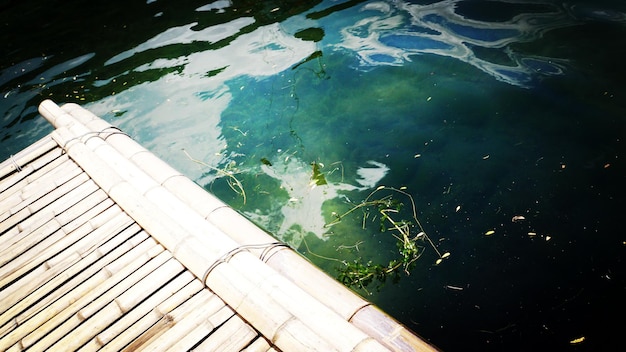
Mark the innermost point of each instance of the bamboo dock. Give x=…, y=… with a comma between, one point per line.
x=103, y=246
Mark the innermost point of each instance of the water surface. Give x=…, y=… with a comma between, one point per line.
x=483, y=110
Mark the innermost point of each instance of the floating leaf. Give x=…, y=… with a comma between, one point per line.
x=458, y=207
x=489, y=233
x=438, y=261
x=264, y=161
x=445, y=255
x=317, y=178
x=577, y=340
x=517, y=218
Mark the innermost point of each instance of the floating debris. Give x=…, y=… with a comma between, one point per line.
x=486, y=157
x=489, y=233
x=456, y=288
x=577, y=340
x=548, y=238
x=531, y=234
x=458, y=207
x=517, y=218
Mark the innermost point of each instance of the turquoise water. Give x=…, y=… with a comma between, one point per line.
x=483, y=110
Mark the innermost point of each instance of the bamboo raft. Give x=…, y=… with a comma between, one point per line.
x=103, y=246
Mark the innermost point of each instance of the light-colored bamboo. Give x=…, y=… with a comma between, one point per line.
x=83, y=269
x=24, y=240
x=92, y=319
x=27, y=155
x=269, y=287
x=258, y=345
x=132, y=313
x=56, y=243
x=234, y=335
x=87, y=290
x=196, y=252
x=42, y=166
x=153, y=337
x=192, y=327
x=375, y=322
x=63, y=197
x=149, y=325
x=58, y=325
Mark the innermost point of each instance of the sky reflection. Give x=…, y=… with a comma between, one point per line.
x=393, y=33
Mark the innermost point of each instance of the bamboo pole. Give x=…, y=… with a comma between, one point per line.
x=234, y=335
x=266, y=288
x=148, y=340
x=133, y=313
x=197, y=252
x=191, y=327
x=92, y=319
x=260, y=344
x=54, y=244
x=375, y=323
x=59, y=325
x=106, y=277
x=45, y=293
x=149, y=325
x=26, y=156
x=41, y=166
x=69, y=220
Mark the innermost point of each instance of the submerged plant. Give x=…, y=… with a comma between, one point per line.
x=408, y=233
x=232, y=181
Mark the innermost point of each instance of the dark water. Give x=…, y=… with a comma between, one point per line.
x=483, y=110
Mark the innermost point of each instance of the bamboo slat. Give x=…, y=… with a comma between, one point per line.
x=58, y=242
x=148, y=340
x=41, y=166
x=234, y=335
x=64, y=196
x=92, y=319
x=81, y=270
x=56, y=327
x=25, y=156
x=149, y=325
x=86, y=290
x=273, y=287
x=88, y=207
x=133, y=314
x=258, y=345
x=191, y=327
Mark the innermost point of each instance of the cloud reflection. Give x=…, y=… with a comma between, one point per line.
x=391, y=33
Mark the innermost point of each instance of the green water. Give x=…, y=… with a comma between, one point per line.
x=483, y=110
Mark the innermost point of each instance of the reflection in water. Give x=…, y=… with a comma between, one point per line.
x=390, y=33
